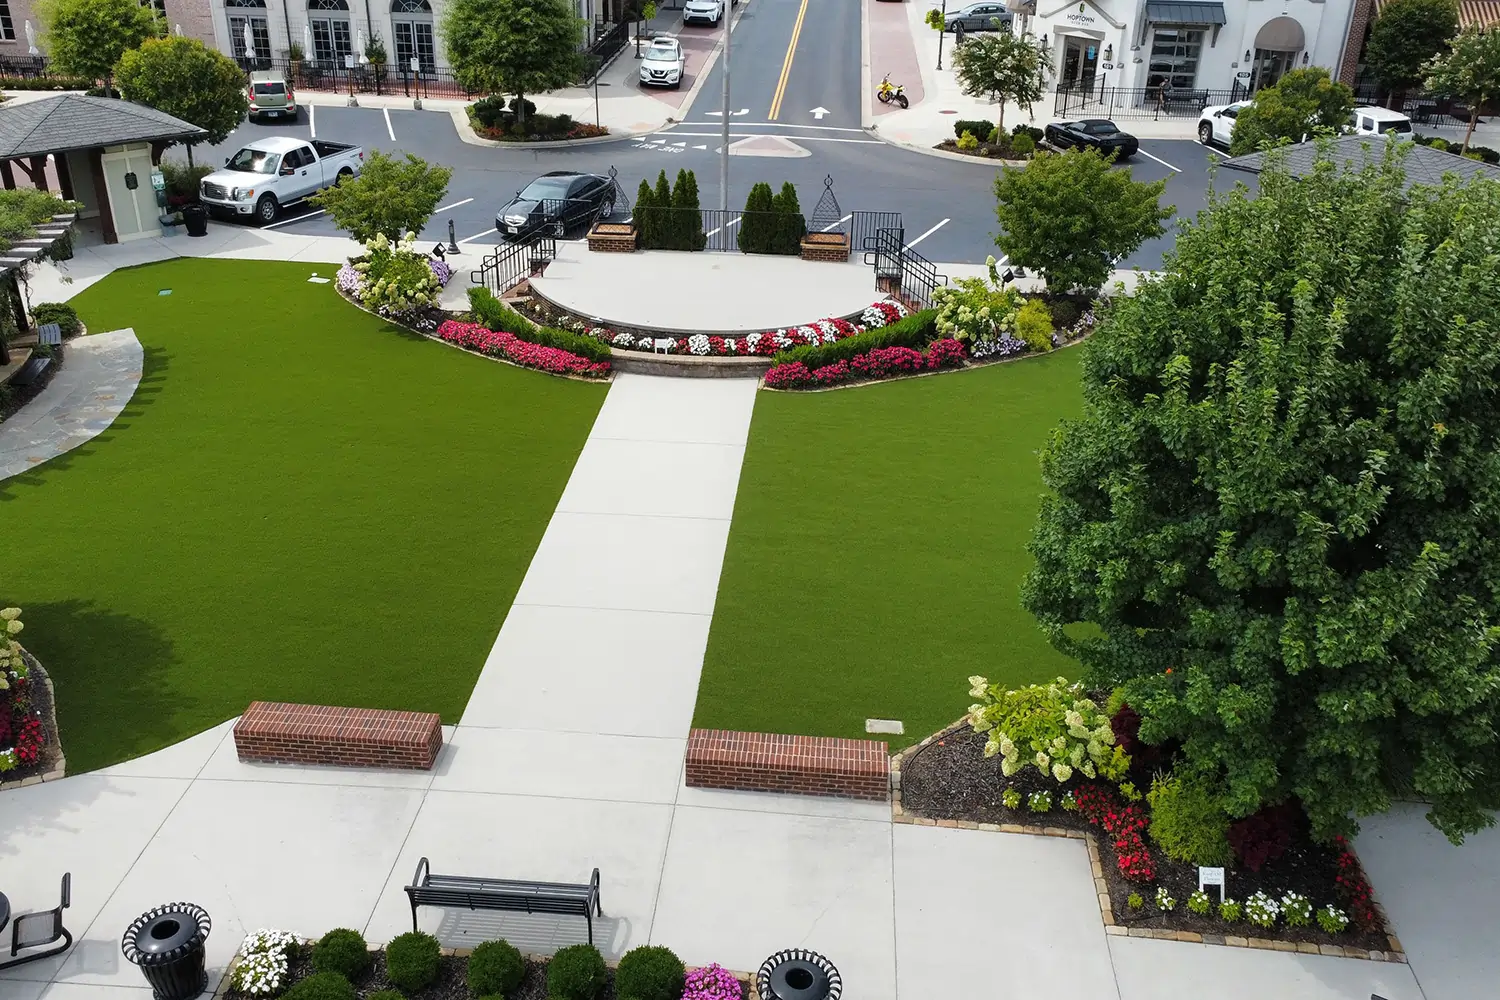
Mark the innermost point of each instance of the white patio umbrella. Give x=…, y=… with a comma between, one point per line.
x=31, y=40
x=177, y=30
x=307, y=49
x=249, y=42
x=362, y=59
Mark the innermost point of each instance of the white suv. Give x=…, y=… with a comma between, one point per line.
x=1216, y=123
x=711, y=11
x=1379, y=121
x=662, y=64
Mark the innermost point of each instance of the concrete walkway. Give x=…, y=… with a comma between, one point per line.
x=97, y=379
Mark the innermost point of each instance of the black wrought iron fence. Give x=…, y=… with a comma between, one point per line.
x=503, y=269
x=1095, y=101
x=27, y=67
x=609, y=41
x=900, y=269
x=864, y=225
x=387, y=78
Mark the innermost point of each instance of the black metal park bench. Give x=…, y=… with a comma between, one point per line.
x=1186, y=100
x=464, y=891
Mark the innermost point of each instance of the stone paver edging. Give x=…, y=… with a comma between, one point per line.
x=59, y=767
x=1101, y=888
x=98, y=378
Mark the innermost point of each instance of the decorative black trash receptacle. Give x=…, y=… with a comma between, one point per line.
x=167, y=943
x=195, y=219
x=798, y=974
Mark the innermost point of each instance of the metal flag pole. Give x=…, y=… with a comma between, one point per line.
x=724, y=162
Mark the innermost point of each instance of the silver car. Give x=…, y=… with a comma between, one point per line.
x=989, y=16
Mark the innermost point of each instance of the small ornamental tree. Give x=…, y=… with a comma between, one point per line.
x=790, y=224
x=390, y=196
x=758, y=225
x=1303, y=103
x=1277, y=514
x=645, y=216
x=688, y=230
x=86, y=38
x=1405, y=38
x=1002, y=66
x=1469, y=71
x=513, y=46
x=666, y=227
x=188, y=80
x=1070, y=216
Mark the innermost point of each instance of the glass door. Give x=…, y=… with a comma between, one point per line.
x=1268, y=67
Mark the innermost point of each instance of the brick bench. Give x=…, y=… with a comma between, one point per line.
x=801, y=765
x=281, y=733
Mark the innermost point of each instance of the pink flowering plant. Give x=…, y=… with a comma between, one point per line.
x=499, y=344
x=880, y=363
x=712, y=982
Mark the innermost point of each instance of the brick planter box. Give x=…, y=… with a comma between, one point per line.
x=800, y=765
x=612, y=237
x=280, y=733
x=825, y=246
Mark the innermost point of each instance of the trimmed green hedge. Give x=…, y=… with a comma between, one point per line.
x=915, y=331
x=496, y=315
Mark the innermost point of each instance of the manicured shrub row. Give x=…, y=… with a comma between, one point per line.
x=493, y=314
x=502, y=344
x=45, y=83
x=883, y=362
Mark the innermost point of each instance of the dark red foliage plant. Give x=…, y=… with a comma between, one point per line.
x=1264, y=836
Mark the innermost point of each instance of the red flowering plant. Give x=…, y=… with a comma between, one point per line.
x=1353, y=887
x=499, y=344
x=882, y=362
x=764, y=344
x=21, y=736
x=1124, y=822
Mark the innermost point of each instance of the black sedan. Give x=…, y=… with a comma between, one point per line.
x=555, y=203
x=1092, y=133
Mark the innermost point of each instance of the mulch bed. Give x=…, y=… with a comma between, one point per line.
x=951, y=778
x=451, y=982
x=41, y=703
x=17, y=396
x=984, y=151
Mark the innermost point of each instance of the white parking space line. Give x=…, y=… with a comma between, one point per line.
x=388, y=129
x=729, y=225
x=1158, y=159
x=300, y=218
x=312, y=120
x=478, y=236
x=758, y=135
x=929, y=232
x=835, y=225
x=738, y=124
x=445, y=208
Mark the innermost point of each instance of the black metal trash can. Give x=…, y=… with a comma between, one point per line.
x=195, y=219
x=167, y=943
x=798, y=974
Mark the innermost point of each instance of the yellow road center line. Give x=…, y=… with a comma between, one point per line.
x=786, y=65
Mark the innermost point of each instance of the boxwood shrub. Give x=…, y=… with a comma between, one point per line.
x=979, y=128
x=321, y=986
x=411, y=961
x=915, y=331
x=496, y=968
x=343, y=951
x=60, y=313
x=576, y=972
x=493, y=314
x=650, y=972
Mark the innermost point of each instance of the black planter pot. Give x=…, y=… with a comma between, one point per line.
x=167, y=944
x=195, y=219
x=798, y=974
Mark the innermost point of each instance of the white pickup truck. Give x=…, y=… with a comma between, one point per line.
x=271, y=173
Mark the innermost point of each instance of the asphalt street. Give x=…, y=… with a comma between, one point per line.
x=795, y=77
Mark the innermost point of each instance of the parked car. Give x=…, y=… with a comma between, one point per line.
x=271, y=96
x=1378, y=121
x=557, y=201
x=707, y=11
x=269, y=174
x=1092, y=133
x=989, y=16
x=662, y=64
x=1216, y=124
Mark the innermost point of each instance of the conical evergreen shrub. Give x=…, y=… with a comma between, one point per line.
x=687, y=229
x=645, y=216
x=758, y=227
x=790, y=225
x=666, y=224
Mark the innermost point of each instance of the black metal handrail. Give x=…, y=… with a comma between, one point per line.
x=901, y=269
x=503, y=269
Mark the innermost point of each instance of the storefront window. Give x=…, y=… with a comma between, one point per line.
x=1174, y=58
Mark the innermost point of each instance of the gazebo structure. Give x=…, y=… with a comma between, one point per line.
x=1423, y=164
x=104, y=151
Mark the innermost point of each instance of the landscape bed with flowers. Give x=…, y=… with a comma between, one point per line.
x=342, y=966
x=23, y=736
x=1052, y=755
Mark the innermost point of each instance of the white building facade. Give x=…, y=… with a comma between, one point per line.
x=1223, y=47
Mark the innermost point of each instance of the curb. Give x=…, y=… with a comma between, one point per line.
x=874, y=130
x=1394, y=955
x=466, y=133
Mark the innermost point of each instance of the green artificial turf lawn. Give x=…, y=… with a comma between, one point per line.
x=877, y=551
x=301, y=503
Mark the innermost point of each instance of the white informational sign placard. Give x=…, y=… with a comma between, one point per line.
x=1211, y=876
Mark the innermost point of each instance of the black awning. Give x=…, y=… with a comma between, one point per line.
x=1194, y=12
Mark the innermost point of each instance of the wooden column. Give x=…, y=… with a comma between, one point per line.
x=106, y=210
x=39, y=172
x=64, y=177
x=8, y=175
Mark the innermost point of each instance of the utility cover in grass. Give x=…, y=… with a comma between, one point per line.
x=301, y=503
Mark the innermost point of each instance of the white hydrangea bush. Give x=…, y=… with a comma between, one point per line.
x=1053, y=727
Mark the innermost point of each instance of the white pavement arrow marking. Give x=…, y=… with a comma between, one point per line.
x=818, y=113
x=720, y=114
x=679, y=145
x=700, y=147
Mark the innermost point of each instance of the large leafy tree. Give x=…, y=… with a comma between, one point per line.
x=1406, y=35
x=513, y=46
x=1470, y=71
x=87, y=37
x=1003, y=67
x=1280, y=513
x=1070, y=216
x=1302, y=103
x=391, y=196
x=187, y=80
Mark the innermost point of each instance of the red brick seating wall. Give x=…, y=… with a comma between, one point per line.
x=802, y=765
x=281, y=733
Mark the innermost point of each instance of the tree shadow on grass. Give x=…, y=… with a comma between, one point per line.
x=106, y=672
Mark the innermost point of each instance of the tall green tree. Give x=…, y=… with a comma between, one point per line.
x=757, y=231
x=1070, y=216
x=1304, y=102
x=391, y=196
x=1469, y=71
x=1405, y=37
x=187, y=80
x=87, y=37
x=791, y=225
x=1003, y=67
x=688, y=234
x=1279, y=515
x=513, y=46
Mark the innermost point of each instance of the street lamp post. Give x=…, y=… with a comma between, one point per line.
x=941, y=32
x=724, y=160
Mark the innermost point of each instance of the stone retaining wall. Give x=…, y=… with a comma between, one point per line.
x=282, y=733
x=800, y=765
